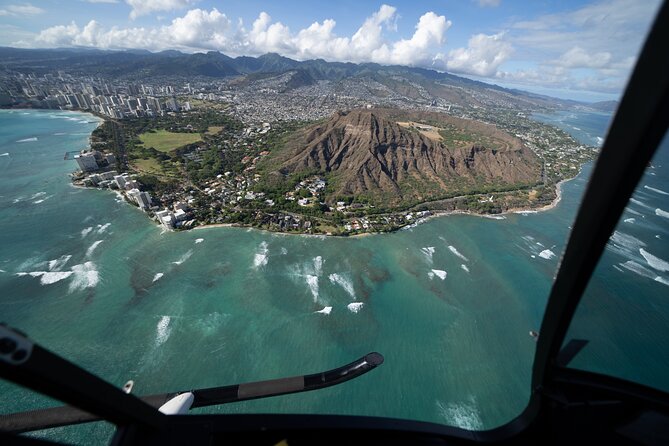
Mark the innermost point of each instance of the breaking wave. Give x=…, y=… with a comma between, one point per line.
x=49, y=277
x=86, y=231
x=312, y=283
x=464, y=267
x=103, y=228
x=157, y=277
x=428, y=251
x=547, y=254
x=59, y=263
x=325, y=310
x=85, y=276
x=437, y=272
x=199, y=240
x=260, y=257
x=184, y=257
x=4, y=154
x=28, y=139
x=91, y=248
x=660, y=213
x=457, y=253
x=345, y=283
x=354, y=307
x=655, y=262
x=659, y=191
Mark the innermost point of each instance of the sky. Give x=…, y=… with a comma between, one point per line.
x=583, y=50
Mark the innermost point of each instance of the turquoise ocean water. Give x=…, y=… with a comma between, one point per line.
x=449, y=303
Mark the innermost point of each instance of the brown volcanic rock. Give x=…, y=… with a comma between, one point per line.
x=368, y=152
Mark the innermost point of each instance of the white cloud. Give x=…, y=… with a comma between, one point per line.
x=577, y=57
x=21, y=10
x=482, y=57
x=144, y=7
x=100, y=1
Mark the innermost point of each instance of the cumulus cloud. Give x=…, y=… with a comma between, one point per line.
x=144, y=7
x=482, y=57
x=100, y=1
x=21, y=10
x=200, y=30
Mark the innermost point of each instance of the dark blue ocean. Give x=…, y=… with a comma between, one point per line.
x=449, y=303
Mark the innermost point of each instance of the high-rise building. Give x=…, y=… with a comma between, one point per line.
x=86, y=162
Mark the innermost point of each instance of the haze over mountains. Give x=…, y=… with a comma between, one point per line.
x=142, y=65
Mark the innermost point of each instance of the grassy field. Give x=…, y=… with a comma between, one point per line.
x=165, y=141
x=149, y=166
x=214, y=129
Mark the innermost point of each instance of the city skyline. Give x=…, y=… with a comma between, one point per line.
x=576, y=50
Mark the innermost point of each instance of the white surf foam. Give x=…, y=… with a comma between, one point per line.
x=260, y=257
x=660, y=213
x=184, y=257
x=198, y=240
x=633, y=212
x=457, y=253
x=284, y=251
x=59, y=263
x=655, y=262
x=344, y=282
x=659, y=191
x=91, y=248
x=103, y=228
x=640, y=203
x=325, y=310
x=157, y=277
x=600, y=141
x=428, y=251
x=495, y=217
x=629, y=220
x=85, y=276
x=27, y=140
x=4, y=154
x=354, y=307
x=163, y=330
x=312, y=283
x=662, y=280
x=86, y=231
x=49, y=277
x=440, y=273
x=547, y=254
x=464, y=267
x=318, y=265
x=60, y=133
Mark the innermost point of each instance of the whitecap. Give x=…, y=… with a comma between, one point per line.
x=91, y=248
x=440, y=273
x=325, y=310
x=655, y=262
x=428, y=251
x=48, y=277
x=260, y=257
x=27, y=140
x=344, y=282
x=464, y=267
x=59, y=134
x=547, y=254
x=629, y=220
x=312, y=282
x=284, y=251
x=198, y=240
x=660, y=213
x=85, y=276
x=163, y=330
x=184, y=257
x=318, y=265
x=662, y=280
x=633, y=212
x=659, y=191
x=4, y=154
x=59, y=263
x=495, y=217
x=354, y=307
x=86, y=231
x=103, y=228
x=157, y=277
x=600, y=140
x=640, y=203
x=457, y=253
